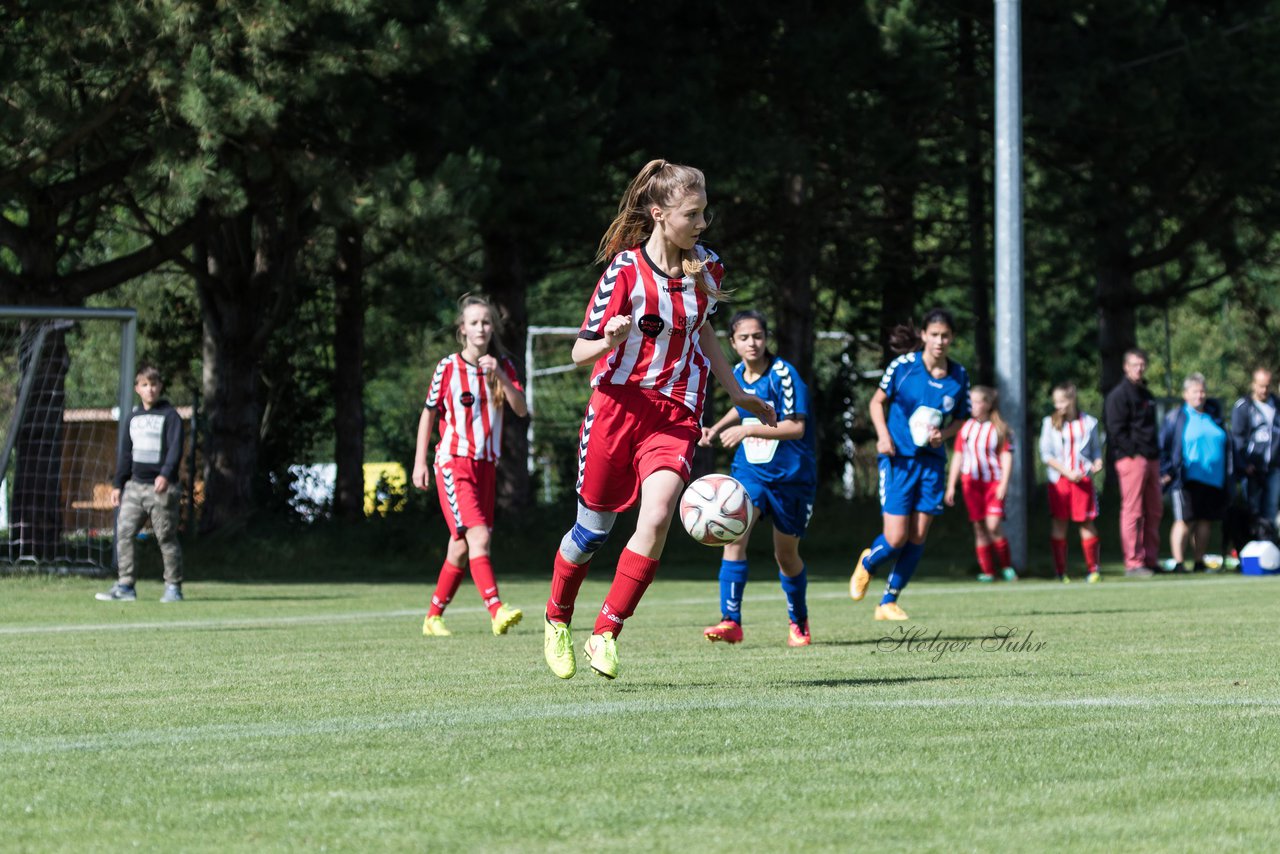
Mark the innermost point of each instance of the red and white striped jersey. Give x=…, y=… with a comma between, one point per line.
x=470, y=424
x=979, y=446
x=662, y=350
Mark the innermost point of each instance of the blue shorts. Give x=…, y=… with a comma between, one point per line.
x=790, y=504
x=912, y=485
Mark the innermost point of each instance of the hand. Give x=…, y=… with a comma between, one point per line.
x=617, y=329
x=1167, y=479
x=707, y=436
x=488, y=364
x=935, y=437
x=422, y=475
x=762, y=409
x=1074, y=476
x=950, y=497
x=162, y=485
x=1002, y=489
x=732, y=436
x=115, y=498
x=1097, y=466
x=884, y=445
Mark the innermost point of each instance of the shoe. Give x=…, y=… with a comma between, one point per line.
x=118, y=593
x=172, y=593
x=1064, y=578
x=1166, y=565
x=433, y=626
x=891, y=611
x=1093, y=577
x=603, y=652
x=725, y=631
x=1009, y=574
x=557, y=648
x=1200, y=566
x=1138, y=572
x=861, y=578
x=798, y=635
x=504, y=618
x=986, y=577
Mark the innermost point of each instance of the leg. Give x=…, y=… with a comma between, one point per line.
x=1178, y=535
x=450, y=577
x=984, y=548
x=1152, y=511
x=1090, y=546
x=1131, y=472
x=573, y=559
x=909, y=558
x=128, y=521
x=1000, y=543
x=482, y=568
x=733, y=582
x=1271, y=500
x=164, y=521
x=1058, y=546
x=1200, y=535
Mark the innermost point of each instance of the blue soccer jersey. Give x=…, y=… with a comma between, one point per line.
x=918, y=402
x=775, y=460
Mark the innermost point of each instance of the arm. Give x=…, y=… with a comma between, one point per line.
x=1113, y=415
x=421, y=468
x=884, y=442
x=514, y=394
x=709, y=433
x=789, y=428
x=1240, y=436
x=953, y=477
x=587, y=350
x=124, y=465
x=723, y=373
x=1006, y=472
x=172, y=451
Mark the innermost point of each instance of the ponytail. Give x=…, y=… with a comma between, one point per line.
x=992, y=397
x=905, y=337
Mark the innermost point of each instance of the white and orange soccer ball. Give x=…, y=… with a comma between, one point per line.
x=716, y=510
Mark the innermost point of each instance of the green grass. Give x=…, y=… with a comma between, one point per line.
x=316, y=717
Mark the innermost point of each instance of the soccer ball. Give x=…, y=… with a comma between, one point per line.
x=716, y=510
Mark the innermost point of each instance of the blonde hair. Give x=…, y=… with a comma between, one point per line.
x=496, y=349
x=662, y=184
x=1058, y=419
x=992, y=397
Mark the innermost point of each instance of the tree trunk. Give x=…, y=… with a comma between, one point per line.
x=897, y=269
x=504, y=282
x=793, y=301
x=36, y=516
x=348, y=374
x=1117, y=327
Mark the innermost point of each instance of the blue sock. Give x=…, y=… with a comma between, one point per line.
x=733, y=578
x=794, y=588
x=881, y=553
x=908, y=558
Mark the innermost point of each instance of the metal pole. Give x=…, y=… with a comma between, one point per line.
x=1011, y=335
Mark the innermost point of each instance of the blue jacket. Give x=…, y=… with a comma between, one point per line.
x=1246, y=419
x=1171, y=433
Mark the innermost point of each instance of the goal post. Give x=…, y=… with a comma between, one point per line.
x=67, y=380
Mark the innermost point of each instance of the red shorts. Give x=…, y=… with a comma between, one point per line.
x=1073, y=502
x=466, y=488
x=980, y=498
x=628, y=434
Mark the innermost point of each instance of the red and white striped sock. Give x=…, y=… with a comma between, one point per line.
x=482, y=575
x=446, y=587
x=634, y=574
x=566, y=578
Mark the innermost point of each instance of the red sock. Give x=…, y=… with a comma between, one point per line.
x=482, y=575
x=1091, y=548
x=986, y=558
x=566, y=578
x=1059, y=549
x=631, y=579
x=1003, y=554
x=446, y=586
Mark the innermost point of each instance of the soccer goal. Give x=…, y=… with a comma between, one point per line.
x=557, y=393
x=66, y=374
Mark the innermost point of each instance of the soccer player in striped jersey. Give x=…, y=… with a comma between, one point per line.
x=1072, y=453
x=981, y=464
x=778, y=467
x=469, y=391
x=646, y=333
x=918, y=392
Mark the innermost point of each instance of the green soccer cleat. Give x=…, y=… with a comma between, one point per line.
x=1009, y=573
x=603, y=652
x=1093, y=577
x=986, y=577
x=504, y=618
x=557, y=647
x=433, y=626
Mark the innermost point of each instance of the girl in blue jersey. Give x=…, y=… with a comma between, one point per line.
x=920, y=390
x=777, y=466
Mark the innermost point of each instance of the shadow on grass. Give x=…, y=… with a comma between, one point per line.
x=857, y=683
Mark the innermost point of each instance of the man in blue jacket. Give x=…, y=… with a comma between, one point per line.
x=1255, y=441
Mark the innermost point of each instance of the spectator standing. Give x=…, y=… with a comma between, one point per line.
x=1255, y=440
x=1133, y=441
x=1194, y=464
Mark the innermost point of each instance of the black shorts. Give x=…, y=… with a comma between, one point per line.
x=1198, y=502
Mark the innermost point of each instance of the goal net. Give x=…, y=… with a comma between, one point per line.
x=65, y=376
x=557, y=392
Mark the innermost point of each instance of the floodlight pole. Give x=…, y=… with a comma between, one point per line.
x=1011, y=334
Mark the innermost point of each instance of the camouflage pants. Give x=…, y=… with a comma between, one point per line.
x=138, y=502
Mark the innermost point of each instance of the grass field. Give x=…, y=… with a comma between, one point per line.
x=1135, y=716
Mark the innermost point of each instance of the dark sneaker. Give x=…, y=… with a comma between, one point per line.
x=118, y=593
x=172, y=593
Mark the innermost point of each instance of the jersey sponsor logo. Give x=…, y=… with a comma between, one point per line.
x=651, y=325
x=682, y=324
x=675, y=286
x=948, y=403
x=466, y=398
